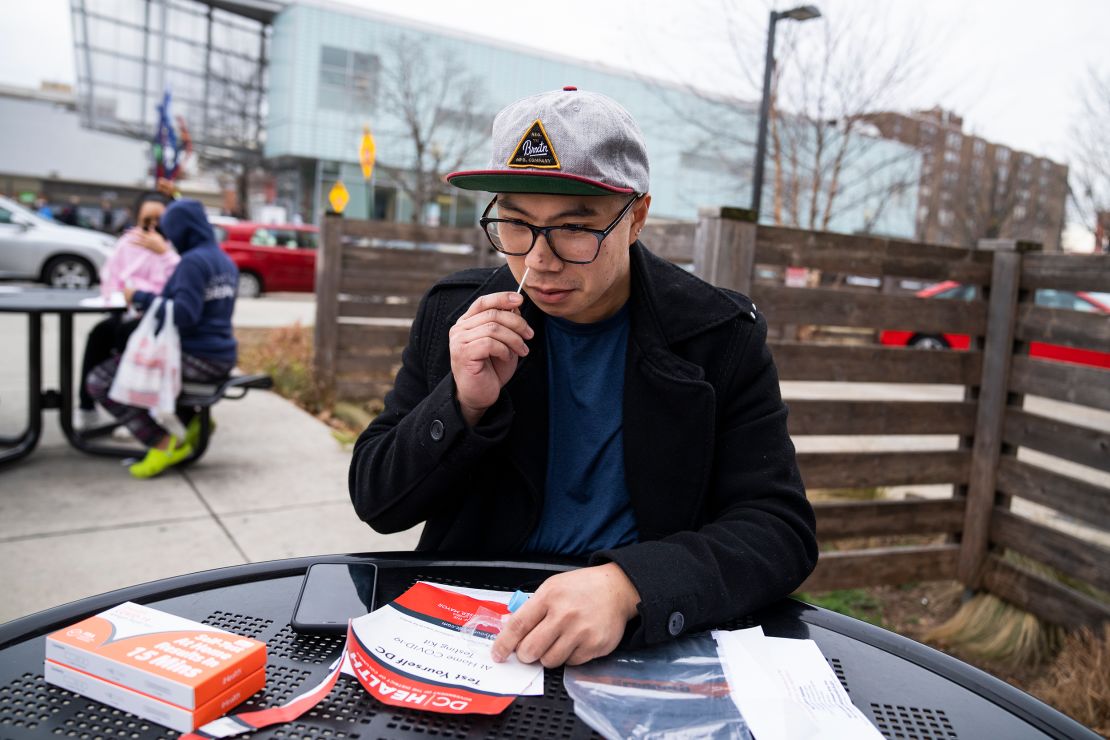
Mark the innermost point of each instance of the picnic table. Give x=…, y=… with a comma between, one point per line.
x=35, y=303
x=906, y=689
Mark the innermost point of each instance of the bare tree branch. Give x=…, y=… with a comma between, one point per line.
x=824, y=158
x=234, y=131
x=984, y=205
x=852, y=66
x=1090, y=166
x=233, y=99
x=441, y=107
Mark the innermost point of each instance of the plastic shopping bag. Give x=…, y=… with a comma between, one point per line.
x=676, y=690
x=149, y=373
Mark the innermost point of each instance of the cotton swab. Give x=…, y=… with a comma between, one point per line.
x=522, y=279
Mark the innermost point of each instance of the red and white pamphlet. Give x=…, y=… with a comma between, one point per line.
x=415, y=653
x=412, y=653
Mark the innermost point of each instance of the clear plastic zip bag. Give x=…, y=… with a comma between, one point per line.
x=677, y=690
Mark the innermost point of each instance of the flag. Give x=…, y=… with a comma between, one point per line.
x=166, y=152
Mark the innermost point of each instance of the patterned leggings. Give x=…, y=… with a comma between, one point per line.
x=145, y=429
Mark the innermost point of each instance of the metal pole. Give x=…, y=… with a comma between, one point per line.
x=764, y=114
x=146, y=61
x=255, y=134
x=203, y=134
x=162, y=51
x=89, y=76
x=370, y=208
x=317, y=193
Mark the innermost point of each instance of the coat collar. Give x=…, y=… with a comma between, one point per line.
x=681, y=305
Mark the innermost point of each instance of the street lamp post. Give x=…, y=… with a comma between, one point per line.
x=801, y=13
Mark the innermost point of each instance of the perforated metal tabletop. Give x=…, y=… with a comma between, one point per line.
x=53, y=300
x=910, y=691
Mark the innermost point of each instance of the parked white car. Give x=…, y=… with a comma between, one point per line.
x=34, y=248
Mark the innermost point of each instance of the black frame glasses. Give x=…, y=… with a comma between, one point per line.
x=485, y=223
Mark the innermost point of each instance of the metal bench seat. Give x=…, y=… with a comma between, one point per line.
x=200, y=396
x=232, y=389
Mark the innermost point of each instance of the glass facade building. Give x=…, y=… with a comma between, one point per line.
x=330, y=66
x=210, y=54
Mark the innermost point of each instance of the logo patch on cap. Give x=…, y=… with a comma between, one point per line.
x=534, y=150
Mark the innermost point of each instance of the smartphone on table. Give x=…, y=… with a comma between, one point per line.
x=331, y=594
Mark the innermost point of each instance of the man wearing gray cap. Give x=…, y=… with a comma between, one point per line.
x=619, y=410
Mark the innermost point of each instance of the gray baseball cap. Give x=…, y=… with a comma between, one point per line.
x=564, y=142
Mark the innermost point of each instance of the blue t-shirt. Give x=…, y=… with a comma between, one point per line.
x=586, y=505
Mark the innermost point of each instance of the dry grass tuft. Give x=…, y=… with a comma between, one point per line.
x=1078, y=682
x=987, y=627
x=285, y=354
x=846, y=494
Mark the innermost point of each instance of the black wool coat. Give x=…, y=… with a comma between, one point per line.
x=724, y=524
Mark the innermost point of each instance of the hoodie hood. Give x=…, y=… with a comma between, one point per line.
x=186, y=227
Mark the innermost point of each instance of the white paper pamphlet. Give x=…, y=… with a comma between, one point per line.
x=786, y=690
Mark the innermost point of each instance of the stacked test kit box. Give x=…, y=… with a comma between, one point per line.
x=173, y=671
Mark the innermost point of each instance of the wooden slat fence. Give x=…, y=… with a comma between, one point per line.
x=937, y=523
x=1062, y=569
x=371, y=277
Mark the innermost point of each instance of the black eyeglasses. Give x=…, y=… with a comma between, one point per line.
x=575, y=244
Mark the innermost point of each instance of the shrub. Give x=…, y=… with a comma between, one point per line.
x=1078, y=682
x=285, y=354
x=987, y=627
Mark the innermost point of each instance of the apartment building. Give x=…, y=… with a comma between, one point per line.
x=972, y=188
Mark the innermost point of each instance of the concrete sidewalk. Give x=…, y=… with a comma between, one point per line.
x=272, y=485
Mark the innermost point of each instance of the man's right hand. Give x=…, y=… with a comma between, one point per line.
x=486, y=344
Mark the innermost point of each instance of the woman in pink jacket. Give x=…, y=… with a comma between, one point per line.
x=142, y=260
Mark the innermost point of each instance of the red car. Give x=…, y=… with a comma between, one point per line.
x=1071, y=300
x=270, y=257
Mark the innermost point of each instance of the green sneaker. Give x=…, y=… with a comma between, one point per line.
x=192, y=431
x=158, y=460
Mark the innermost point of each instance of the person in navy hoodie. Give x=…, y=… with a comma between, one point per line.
x=203, y=290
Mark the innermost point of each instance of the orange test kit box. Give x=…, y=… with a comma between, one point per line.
x=165, y=668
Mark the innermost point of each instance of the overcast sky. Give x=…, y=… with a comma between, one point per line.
x=1011, y=67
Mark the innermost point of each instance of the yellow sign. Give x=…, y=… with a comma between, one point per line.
x=338, y=197
x=366, y=153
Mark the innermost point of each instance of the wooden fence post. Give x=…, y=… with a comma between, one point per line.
x=724, y=247
x=329, y=264
x=993, y=392
x=484, y=256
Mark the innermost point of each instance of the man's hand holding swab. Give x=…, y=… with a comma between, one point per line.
x=486, y=344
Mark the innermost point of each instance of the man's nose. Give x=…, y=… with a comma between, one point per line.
x=541, y=257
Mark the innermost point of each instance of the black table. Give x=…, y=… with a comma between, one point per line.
x=34, y=302
x=907, y=689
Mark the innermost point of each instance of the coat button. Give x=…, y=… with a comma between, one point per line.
x=437, y=430
x=675, y=623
